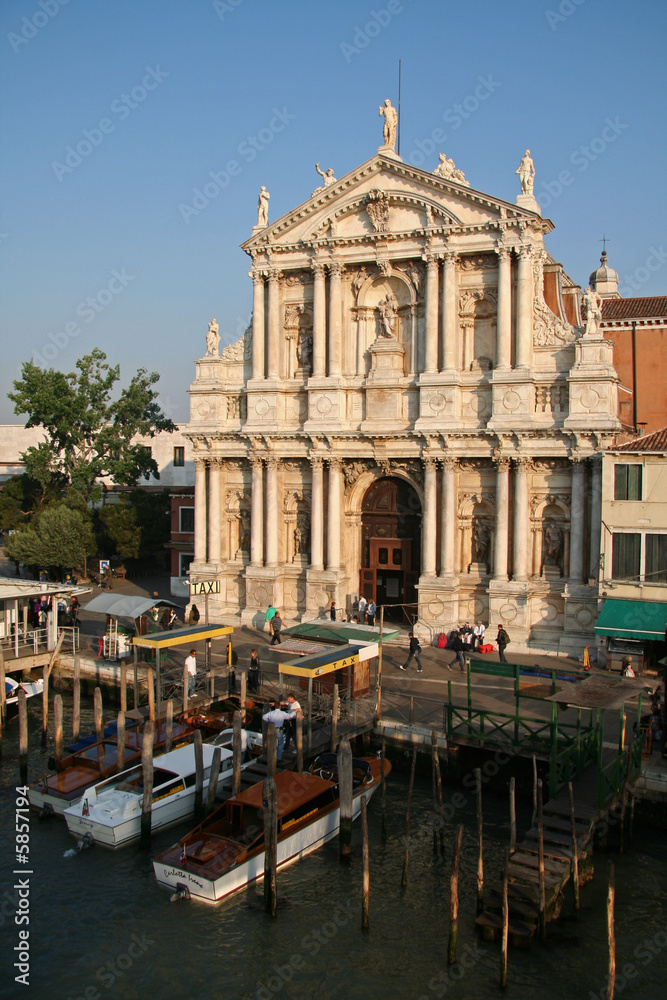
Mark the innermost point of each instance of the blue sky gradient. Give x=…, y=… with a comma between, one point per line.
x=181, y=87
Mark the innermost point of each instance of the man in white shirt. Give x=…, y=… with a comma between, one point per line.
x=478, y=633
x=361, y=613
x=290, y=725
x=191, y=667
x=278, y=716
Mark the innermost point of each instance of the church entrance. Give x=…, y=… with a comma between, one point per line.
x=391, y=548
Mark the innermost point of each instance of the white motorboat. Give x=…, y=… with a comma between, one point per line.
x=110, y=811
x=31, y=688
x=226, y=852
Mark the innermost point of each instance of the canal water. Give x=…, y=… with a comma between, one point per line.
x=100, y=927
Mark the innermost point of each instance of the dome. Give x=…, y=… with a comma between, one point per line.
x=604, y=279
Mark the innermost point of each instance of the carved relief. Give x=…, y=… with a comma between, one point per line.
x=352, y=471
x=478, y=262
x=377, y=207
x=241, y=350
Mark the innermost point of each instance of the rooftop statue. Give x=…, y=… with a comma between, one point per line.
x=263, y=207
x=526, y=172
x=212, y=340
x=327, y=179
x=390, y=122
x=593, y=304
x=448, y=170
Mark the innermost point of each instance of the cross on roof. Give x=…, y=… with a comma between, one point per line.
x=605, y=239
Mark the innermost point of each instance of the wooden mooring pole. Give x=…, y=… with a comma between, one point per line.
x=199, y=773
x=213, y=780
x=345, y=791
x=611, y=939
x=540, y=863
x=366, y=877
x=505, y=930
x=534, y=820
x=76, y=699
x=334, y=718
x=23, y=736
x=45, y=704
x=406, y=849
x=237, y=751
x=147, y=777
x=575, y=849
x=120, y=742
x=58, y=729
x=186, y=681
x=383, y=793
x=454, y=897
x=480, y=854
x=512, y=816
x=123, y=685
x=169, y=726
x=98, y=715
x=244, y=694
x=3, y=696
x=299, y=743
x=438, y=809
x=151, y=694
x=270, y=804
x=271, y=749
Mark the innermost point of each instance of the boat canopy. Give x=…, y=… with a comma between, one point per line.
x=124, y=605
x=632, y=619
x=293, y=790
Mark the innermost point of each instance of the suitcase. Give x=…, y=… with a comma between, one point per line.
x=442, y=641
x=486, y=647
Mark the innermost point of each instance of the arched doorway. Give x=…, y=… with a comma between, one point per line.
x=391, y=546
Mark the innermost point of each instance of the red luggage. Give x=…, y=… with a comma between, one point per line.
x=442, y=641
x=487, y=647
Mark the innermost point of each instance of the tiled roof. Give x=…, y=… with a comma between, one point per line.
x=654, y=307
x=657, y=441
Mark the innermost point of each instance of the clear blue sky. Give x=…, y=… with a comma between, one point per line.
x=201, y=78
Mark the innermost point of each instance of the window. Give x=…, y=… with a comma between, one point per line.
x=179, y=457
x=655, y=561
x=626, y=553
x=397, y=556
x=383, y=557
x=186, y=519
x=184, y=560
x=627, y=482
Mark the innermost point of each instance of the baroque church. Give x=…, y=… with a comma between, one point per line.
x=415, y=414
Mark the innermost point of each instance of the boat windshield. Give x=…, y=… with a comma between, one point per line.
x=132, y=781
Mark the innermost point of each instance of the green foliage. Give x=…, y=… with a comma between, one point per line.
x=137, y=525
x=58, y=538
x=19, y=497
x=89, y=434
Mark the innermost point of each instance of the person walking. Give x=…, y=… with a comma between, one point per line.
x=269, y=616
x=457, y=646
x=191, y=667
x=278, y=717
x=415, y=650
x=276, y=625
x=254, y=672
x=332, y=611
x=361, y=610
x=290, y=724
x=371, y=611
x=501, y=641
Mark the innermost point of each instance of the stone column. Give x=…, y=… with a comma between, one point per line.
x=501, y=541
x=333, y=516
x=200, y=510
x=521, y=519
x=429, y=518
x=273, y=514
x=449, y=312
x=316, y=515
x=214, y=510
x=273, y=360
x=319, y=321
x=596, y=516
x=431, y=333
x=257, y=513
x=504, y=341
x=448, y=517
x=335, y=300
x=577, y=523
x=524, y=308
x=257, y=325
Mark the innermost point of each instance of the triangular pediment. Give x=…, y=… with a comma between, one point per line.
x=386, y=198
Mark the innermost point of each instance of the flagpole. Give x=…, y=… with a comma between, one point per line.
x=399, y=108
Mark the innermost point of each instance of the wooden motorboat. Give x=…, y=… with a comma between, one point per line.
x=82, y=769
x=110, y=811
x=226, y=852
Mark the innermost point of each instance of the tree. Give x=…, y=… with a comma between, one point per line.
x=89, y=434
x=20, y=496
x=137, y=525
x=58, y=538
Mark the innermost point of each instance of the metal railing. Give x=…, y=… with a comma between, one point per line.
x=37, y=638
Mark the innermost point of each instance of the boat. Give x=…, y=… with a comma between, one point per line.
x=80, y=770
x=12, y=687
x=110, y=811
x=225, y=853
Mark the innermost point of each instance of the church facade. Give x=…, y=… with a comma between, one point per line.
x=416, y=414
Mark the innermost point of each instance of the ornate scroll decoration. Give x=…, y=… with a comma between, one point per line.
x=352, y=471
x=377, y=208
x=548, y=329
x=241, y=350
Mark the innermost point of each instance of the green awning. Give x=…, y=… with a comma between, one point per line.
x=633, y=619
x=328, y=631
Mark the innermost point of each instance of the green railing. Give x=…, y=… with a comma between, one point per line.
x=621, y=769
x=518, y=730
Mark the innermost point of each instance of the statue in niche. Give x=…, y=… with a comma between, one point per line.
x=301, y=535
x=390, y=123
x=552, y=546
x=244, y=531
x=526, y=172
x=481, y=538
x=593, y=304
x=327, y=179
x=263, y=207
x=212, y=340
x=389, y=311
x=358, y=280
x=304, y=350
